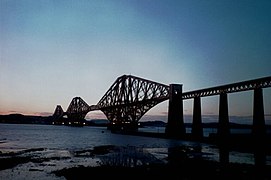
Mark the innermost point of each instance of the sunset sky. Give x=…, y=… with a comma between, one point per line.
x=52, y=51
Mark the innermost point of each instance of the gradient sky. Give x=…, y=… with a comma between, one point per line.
x=52, y=51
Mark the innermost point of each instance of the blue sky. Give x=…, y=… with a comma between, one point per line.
x=52, y=51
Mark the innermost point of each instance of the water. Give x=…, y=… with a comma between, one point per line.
x=206, y=131
x=62, y=143
x=24, y=136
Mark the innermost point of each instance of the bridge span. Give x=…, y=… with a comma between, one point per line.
x=130, y=97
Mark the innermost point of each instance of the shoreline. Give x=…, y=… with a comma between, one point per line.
x=124, y=162
x=183, y=160
x=188, y=169
x=240, y=142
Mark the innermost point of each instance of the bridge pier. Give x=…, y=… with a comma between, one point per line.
x=258, y=127
x=175, y=126
x=223, y=130
x=197, y=131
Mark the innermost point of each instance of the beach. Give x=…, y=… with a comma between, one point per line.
x=122, y=162
x=47, y=152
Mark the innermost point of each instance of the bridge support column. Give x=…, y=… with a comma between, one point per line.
x=223, y=124
x=175, y=126
x=197, y=131
x=258, y=128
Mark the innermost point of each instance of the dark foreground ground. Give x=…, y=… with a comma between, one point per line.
x=118, y=163
x=192, y=169
x=181, y=163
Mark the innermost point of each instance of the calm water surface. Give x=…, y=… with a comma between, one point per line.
x=16, y=137
x=59, y=145
x=24, y=136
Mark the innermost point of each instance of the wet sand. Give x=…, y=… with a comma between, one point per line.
x=192, y=169
x=123, y=162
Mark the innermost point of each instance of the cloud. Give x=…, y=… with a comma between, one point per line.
x=44, y=113
x=164, y=113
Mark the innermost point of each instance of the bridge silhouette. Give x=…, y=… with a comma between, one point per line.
x=130, y=97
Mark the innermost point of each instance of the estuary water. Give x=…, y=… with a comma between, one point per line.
x=62, y=142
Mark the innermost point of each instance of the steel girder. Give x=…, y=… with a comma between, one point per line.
x=230, y=88
x=58, y=112
x=77, y=109
x=130, y=97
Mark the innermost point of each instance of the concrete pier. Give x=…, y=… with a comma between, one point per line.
x=175, y=127
x=197, y=131
x=258, y=129
x=223, y=130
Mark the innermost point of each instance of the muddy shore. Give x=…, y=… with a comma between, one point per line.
x=124, y=162
x=192, y=169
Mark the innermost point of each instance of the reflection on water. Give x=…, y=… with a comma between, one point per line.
x=206, y=131
x=128, y=156
x=131, y=156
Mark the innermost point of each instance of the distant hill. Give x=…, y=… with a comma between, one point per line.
x=153, y=123
x=97, y=122
x=25, y=119
x=22, y=119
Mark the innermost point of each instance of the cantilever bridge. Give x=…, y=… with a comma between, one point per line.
x=130, y=97
x=126, y=101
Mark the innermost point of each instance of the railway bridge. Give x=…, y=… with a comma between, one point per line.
x=130, y=97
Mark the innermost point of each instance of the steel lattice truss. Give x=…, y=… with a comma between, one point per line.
x=230, y=88
x=130, y=97
x=77, y=109
x=58, y=112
